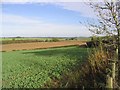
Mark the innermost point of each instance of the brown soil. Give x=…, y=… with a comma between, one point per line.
x=38, y=45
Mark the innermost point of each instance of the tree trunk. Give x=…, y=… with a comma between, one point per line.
x=119, y=31
x=118, y=58
x=119, y=43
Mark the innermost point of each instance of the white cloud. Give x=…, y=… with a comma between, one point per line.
x=20, y=26
x=14, y=1
x=0, y=20
x=9, y=18
x=34, y=1
x=83, y=8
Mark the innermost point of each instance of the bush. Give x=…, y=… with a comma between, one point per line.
x=13, y=39
x=92, y=44
x=93, y=72
x=55, y=40
x=74, y=38
x=105, y=41
x=46, y=40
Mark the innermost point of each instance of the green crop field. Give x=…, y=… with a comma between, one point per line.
x=14, y=38
x=33, y=68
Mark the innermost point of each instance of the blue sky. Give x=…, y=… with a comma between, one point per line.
x=47, y=12
x=46, y=19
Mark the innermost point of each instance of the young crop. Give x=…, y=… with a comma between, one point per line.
x=33, y=68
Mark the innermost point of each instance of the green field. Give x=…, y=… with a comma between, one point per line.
x=41, y=38
x=33, y=68
x=26, y=38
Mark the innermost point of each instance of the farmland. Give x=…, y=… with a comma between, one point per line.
x=11, y=40
x=38, y=45
x=33, y=68
x=34, y=62
x=10, y=44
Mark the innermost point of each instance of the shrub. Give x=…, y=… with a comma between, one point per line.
x=98, y=63
x=3, y=51
x=46, y=40
x=74, y=38
x=107, y=40
x=13, y=39
x=55, y=40
x=92, y=44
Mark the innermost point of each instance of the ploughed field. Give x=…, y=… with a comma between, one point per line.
x=36, y=68
x=38, y=45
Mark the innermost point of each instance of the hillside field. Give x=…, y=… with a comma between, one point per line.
x=35, y=68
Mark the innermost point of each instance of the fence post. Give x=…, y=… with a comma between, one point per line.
x=109, y=82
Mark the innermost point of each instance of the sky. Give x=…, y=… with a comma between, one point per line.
x=46, y=19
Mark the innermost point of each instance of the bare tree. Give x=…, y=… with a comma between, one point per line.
x=108, y=13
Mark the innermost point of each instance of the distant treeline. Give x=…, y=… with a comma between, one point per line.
x=15, y=40
x=10, y=40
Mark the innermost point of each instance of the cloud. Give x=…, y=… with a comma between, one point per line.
x=14, y=1
x=0, y=20
x=14, y=25
x=34, y=1
x=10, y=18
x=83, y=8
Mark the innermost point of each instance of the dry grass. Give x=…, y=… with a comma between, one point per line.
x=98, y=59
x=91, y=74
